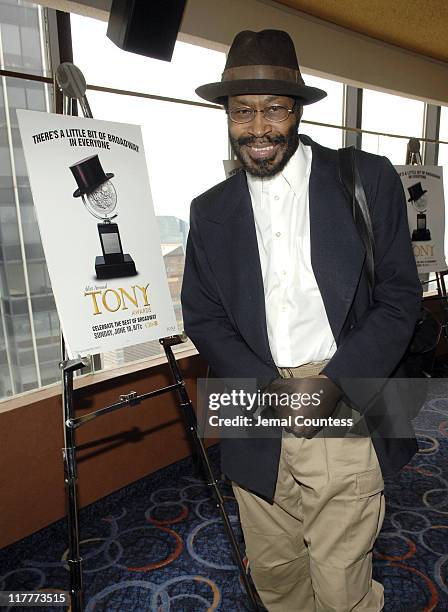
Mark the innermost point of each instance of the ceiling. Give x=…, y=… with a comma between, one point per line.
x=416, y=25
x=420, y=26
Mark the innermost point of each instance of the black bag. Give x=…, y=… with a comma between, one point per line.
x=418, y=359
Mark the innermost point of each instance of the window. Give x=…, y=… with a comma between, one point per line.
x=21, y=30
x=25, y=352
x=185, y=144
x=328, y=110
x=103, y=63
x=443, y=135
x=390, y=114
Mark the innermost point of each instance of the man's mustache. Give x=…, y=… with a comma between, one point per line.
x=252, y=140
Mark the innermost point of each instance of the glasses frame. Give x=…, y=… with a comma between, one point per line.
x=263, y=111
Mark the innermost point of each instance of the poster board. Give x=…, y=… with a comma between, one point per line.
x=423, y=188
x=99, y=233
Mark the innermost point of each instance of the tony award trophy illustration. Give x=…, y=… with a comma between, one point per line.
x=100, y=198
x=420, y=202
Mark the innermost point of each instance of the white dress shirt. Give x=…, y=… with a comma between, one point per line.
x=298, y=327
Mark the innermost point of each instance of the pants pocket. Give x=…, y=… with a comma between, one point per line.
x=369, y=482
x=366, y=513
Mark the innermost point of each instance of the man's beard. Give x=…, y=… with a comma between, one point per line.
x=266, y=167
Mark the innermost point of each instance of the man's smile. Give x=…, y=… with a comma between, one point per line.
x=262, y=151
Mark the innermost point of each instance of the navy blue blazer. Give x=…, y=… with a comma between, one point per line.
x=224, y=307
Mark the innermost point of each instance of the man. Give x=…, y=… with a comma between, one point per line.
x=275, y=289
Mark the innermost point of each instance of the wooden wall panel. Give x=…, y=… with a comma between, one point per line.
x=134, y=441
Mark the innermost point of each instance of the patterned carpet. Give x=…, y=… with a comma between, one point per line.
x=159, y=544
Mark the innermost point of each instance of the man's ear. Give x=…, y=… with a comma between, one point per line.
x=300, y=113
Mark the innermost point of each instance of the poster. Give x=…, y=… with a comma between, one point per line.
x=231, y=167
x=99, y=233
x=423, y=188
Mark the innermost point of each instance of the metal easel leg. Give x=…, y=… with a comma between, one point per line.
x=441, y=287
x=190, y=418
x=71, y=88
x=70, y=477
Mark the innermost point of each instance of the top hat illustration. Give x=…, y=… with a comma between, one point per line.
x=421, y=233
x=261, y=63
x=89, y=175
x=99, y=196
x=416, y=192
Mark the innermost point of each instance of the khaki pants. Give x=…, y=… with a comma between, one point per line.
x=311, y=550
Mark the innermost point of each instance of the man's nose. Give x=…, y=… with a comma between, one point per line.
x=259, y=126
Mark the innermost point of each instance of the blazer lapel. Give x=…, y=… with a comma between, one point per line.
x=234, y=256
x=337, y=252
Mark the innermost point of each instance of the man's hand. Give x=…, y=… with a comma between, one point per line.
x=313, y=397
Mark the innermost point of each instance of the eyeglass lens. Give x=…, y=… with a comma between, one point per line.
x=271, y=113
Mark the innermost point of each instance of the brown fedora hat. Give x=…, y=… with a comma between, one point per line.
x=261, y=63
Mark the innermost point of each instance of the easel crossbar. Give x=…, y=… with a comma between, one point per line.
x=131, y=399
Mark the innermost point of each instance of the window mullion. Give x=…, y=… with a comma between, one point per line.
x=352, y=116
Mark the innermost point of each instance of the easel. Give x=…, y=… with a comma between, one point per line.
x=70, y=81
x=414, y=158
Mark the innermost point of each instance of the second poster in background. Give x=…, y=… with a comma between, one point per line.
x=423, y=188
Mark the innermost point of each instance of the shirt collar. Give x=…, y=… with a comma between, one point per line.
x=297, y=169
x=294, y=173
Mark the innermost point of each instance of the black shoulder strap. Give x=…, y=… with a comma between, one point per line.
x=351, y=180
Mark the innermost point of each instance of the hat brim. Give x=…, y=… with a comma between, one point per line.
x=218, y=92
x=80, y=192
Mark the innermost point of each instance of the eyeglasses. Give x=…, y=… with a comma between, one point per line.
x=246, y=114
